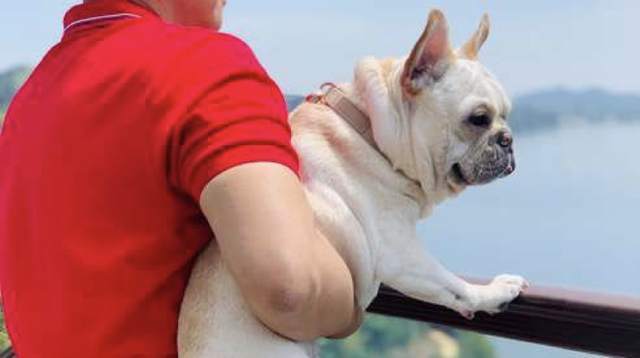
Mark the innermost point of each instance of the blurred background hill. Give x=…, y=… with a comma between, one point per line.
x=541, y=110
x=10, y=81
x=547, y=109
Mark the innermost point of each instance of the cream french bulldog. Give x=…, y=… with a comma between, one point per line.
x=438, y=122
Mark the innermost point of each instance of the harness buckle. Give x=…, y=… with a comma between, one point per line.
x=319, y=97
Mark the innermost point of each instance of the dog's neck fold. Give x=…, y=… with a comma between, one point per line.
x=377, y=92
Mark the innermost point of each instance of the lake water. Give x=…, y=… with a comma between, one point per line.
x=569, y=216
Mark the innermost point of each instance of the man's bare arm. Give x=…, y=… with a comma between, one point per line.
x=291, y=276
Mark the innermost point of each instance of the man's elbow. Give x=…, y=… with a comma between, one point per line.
x=288, y=300
x=286, y=306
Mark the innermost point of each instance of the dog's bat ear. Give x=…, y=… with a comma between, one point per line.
x=470, y=49
x=430, y=57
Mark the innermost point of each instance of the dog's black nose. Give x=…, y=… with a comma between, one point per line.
x=504, y=139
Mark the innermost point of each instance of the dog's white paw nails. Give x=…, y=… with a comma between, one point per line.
x=500, y=292
x=515, y=284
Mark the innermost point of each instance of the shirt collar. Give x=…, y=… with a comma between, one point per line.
x=97, y=10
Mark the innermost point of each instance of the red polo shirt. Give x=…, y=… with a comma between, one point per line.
x=104, y=153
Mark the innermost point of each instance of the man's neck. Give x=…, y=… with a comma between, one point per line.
x=156, y=6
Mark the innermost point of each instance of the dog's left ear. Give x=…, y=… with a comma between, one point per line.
x=430, y=57
x=470, y=49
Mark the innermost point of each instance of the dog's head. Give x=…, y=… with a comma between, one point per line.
x=456, y=110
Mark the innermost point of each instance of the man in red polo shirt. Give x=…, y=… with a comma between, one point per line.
x=140, y=135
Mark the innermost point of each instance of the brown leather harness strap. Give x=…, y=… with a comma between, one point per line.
x=335, y=99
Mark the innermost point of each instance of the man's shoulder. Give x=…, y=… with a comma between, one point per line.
x=202, y=41
x=190, y=59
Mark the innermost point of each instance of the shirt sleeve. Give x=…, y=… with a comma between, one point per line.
x=242, y=118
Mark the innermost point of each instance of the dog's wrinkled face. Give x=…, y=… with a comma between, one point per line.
x=458, y=110
x=480, y=141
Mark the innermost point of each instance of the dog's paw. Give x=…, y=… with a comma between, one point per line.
x=496, y=296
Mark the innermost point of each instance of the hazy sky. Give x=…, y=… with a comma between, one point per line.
x=532, y=45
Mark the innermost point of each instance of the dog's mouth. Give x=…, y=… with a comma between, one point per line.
x=461, y=177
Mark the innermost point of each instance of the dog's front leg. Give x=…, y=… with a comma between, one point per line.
x=412, y=270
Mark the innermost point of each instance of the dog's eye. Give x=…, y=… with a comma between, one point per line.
x=479, y=120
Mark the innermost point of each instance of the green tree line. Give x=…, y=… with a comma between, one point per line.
x=4, y=339
x=388, y=337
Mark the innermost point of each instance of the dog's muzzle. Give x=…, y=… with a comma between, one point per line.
x=483, y=166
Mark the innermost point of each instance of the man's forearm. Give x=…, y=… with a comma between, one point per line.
x=335, y=307
x=293, y=279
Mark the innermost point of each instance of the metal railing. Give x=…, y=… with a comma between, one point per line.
x=599, y=323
